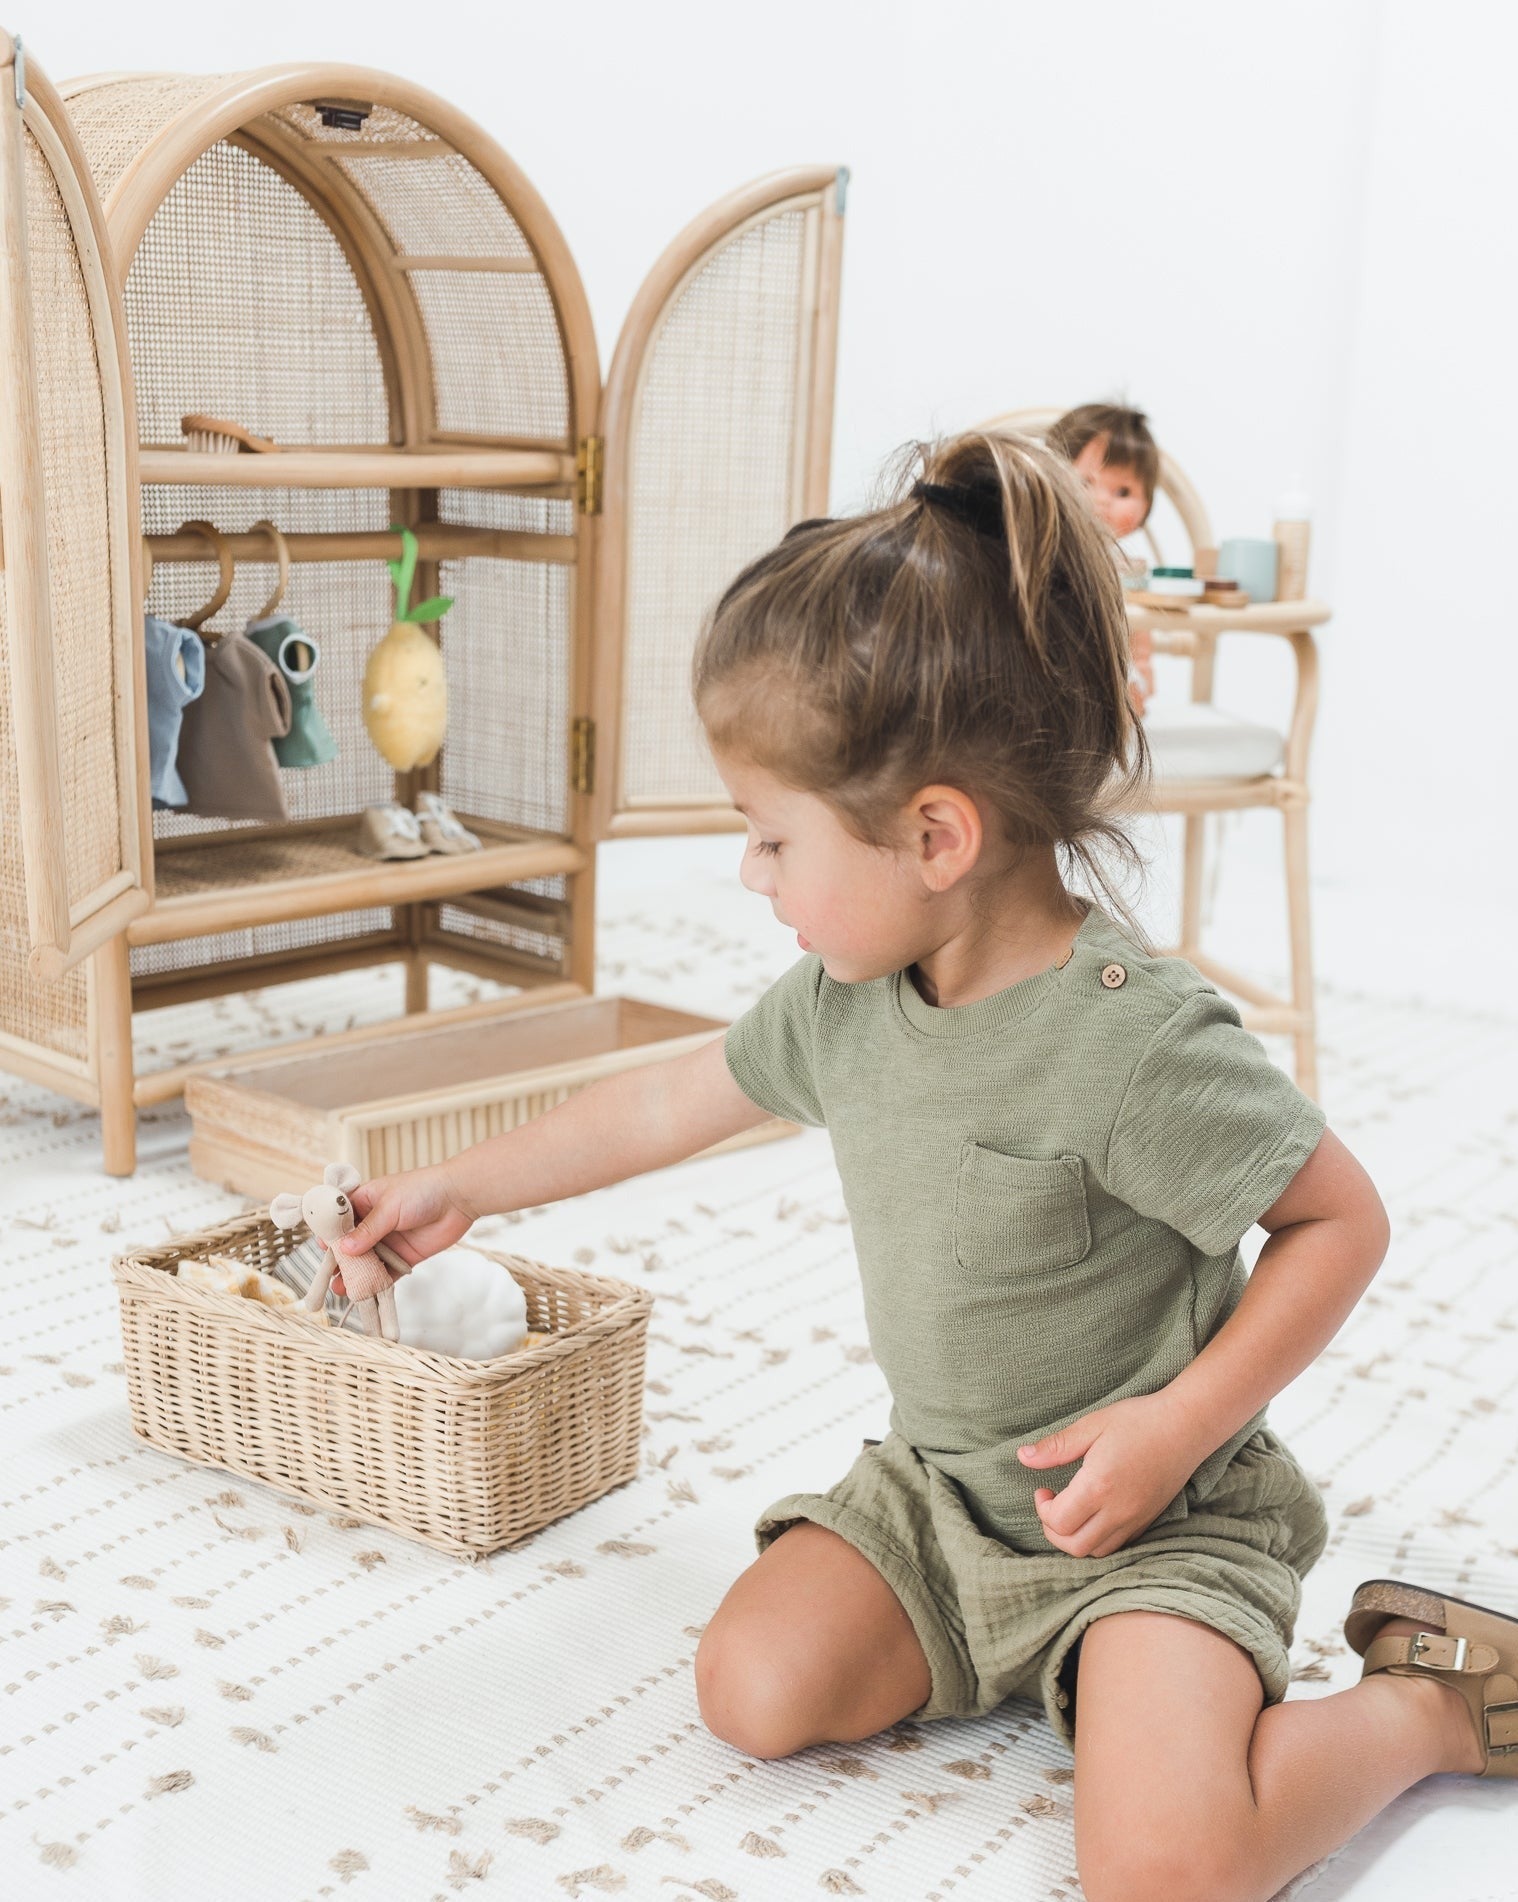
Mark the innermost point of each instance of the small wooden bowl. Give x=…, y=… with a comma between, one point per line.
x=1170, y=603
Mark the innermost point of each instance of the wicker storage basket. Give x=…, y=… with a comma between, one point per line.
x=468, y=1456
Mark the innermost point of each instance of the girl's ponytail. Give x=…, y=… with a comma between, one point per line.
x=971, y=631
x=1006, y=489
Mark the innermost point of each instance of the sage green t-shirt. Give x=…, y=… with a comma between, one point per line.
x=1047, y=1189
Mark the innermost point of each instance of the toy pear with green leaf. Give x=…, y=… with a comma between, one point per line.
x=405, y=687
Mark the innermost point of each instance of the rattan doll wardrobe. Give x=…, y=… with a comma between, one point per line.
x=340, y=262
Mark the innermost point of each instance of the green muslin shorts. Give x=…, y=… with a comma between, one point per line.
x=996, y=1622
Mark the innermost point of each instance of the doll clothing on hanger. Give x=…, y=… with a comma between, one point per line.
x=309, y=742
x=225, y=752
x=176, y=674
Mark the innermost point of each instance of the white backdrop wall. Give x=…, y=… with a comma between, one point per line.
x=1284, y=229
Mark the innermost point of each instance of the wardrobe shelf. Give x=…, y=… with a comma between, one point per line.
x=436, y=541
x=441, y=468
x=243, y=880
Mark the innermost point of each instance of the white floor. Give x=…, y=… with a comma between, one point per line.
x=209, y=1690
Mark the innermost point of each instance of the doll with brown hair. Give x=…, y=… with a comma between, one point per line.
x=1051, y=1140
x=1118, y=461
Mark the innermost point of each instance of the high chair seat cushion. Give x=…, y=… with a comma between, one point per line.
x=1191, y=739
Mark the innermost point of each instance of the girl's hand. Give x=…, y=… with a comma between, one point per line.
x=1135, y=1458
x=418, y=1214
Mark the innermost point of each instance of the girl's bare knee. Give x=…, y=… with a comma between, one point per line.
x=1161, y=1867
x=745, y=1699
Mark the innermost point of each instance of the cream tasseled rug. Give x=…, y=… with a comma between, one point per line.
x=209, y=1690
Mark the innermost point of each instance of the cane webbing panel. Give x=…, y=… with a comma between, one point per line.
x=506, y=643
x=240, y=303
x=437, y=207
x=71, y=405
x=709, y=485
x=273, y=941
x=114, y=122
x=495, y=508
x=54, y=1016
x=345, y=607
x=72, y=425
x=497, y=357
x=484, y=933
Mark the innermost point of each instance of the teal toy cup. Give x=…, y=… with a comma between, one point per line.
x=1250, y=561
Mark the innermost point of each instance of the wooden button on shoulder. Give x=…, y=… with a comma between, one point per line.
x=1113, y=975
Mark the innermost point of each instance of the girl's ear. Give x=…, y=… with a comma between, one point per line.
x=946, y=835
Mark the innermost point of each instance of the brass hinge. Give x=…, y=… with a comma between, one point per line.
x=582, y=755
x=588, y=459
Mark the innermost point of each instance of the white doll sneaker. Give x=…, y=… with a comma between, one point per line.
x=391, y=832
x=441, y=831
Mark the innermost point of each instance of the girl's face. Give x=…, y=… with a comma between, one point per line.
x=1116, y=492
x=861, y=908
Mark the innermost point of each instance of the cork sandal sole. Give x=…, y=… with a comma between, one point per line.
x=1472, y=1648
x=1381, y=1598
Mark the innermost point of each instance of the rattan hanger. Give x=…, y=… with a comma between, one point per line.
x=224, y=587
x=282, y=556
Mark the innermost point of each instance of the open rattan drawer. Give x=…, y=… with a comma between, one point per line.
x=419, y=1091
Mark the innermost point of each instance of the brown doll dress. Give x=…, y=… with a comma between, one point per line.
x=226, y=755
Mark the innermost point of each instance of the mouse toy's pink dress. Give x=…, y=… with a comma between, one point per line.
x=364, y=1276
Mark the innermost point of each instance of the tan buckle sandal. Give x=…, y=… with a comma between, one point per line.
x=1470, y=1647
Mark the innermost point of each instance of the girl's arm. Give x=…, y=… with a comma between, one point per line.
x=1328, y=1236
x=640, y=1119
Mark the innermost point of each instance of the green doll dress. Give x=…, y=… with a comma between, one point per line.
x=309, y=741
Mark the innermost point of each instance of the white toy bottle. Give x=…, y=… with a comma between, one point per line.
x=1293, y=533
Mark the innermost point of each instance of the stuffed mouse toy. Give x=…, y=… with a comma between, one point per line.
x=369, y=1278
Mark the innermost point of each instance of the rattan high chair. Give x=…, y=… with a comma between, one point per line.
x=1208, y=760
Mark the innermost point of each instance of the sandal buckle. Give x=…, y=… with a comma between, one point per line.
x=1434, y=1643
x=1509, y=1729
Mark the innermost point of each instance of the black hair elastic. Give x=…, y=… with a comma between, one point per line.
x=979, y=507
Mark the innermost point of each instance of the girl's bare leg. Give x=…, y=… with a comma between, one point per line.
x=810, y=1646
x=1187, y=1791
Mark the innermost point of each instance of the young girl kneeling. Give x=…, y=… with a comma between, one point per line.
x=1051, y=1143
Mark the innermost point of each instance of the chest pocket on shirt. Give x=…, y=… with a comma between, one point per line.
x=1018, y=1215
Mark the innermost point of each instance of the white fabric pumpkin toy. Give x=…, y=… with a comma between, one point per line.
x=458, y=1303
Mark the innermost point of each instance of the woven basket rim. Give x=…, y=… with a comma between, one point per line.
x=624, y=1305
